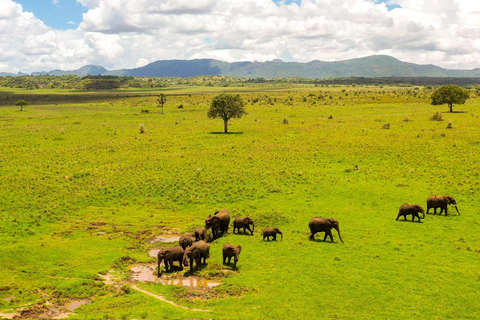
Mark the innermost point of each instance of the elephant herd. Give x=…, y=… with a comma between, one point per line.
x=196, y=249
x=433, y=202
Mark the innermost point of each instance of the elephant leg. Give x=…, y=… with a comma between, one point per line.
x=171, y=264
x=229, y=260
x=434, y=211
x=329, y=232
x=325, y=237
x=446, y=210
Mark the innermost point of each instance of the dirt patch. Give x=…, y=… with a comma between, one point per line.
x=165, y=300
x=154, y=252
x=9, y=315
x=165, y=238
x=48, y=312
x=146, y=273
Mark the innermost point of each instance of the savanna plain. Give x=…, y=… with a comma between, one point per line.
x=83, y=193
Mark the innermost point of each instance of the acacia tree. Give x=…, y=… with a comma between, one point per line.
x=162, y=99
x=21, y=103
x=226, y=106
x=449, y=94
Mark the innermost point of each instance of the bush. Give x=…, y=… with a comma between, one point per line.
x=142, y=128
x=437, y=117
x=285, y=121
x=450, y=125
x=386, y=126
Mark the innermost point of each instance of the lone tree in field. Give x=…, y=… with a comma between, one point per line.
x=162, y=100
x=449, y=94
x=226, y=106
x=21, y=103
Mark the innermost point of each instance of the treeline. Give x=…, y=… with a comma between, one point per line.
x=408, y=81
x=115, y=82
x=112, y=82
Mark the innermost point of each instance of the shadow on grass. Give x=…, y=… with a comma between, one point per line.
x=225, y=133
x=194, y=271
x=459, y=111
x=323, y=241
x=416, y=221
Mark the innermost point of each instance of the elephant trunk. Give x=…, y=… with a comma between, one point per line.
x=185, y=260
x=338, y=231
x=282, y=236
x=158, y=269
x=253, y=227
x=423, y=212
x=457, y=209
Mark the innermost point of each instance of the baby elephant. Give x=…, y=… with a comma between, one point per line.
x=169, y=255
x=271, y=232
x=413, y=209
x=185, y=241
x=243, y=223
x=200, y=234
x=230, y=251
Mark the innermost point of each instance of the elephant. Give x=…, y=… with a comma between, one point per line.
x=413, y=209
x=441, y=202
x=169, y=255
x=197, y=251
x=185, y=241
x=324, y=225
x=200, y=233
x=243, y=223
x=218, y=222
x=271, y=232
x=230, y=251
x=209, y=236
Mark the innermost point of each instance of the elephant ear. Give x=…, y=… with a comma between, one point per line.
x=196, y=252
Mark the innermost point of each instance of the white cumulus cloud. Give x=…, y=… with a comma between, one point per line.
x=129, y=33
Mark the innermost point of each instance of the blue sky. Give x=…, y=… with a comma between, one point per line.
x=58, y=14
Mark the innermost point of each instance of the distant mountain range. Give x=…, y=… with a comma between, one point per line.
x=368, y=67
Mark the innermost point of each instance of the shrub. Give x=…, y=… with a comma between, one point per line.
x=285, y=121
x=142, y=128
x=437, y=117
x=386, y=126
x=450, y=125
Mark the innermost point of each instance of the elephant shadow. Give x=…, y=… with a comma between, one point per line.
x=402, y=220
x=321, y=240
x=226, y=133
x=188, y=273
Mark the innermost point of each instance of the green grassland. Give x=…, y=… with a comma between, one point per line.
x=82, y=192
